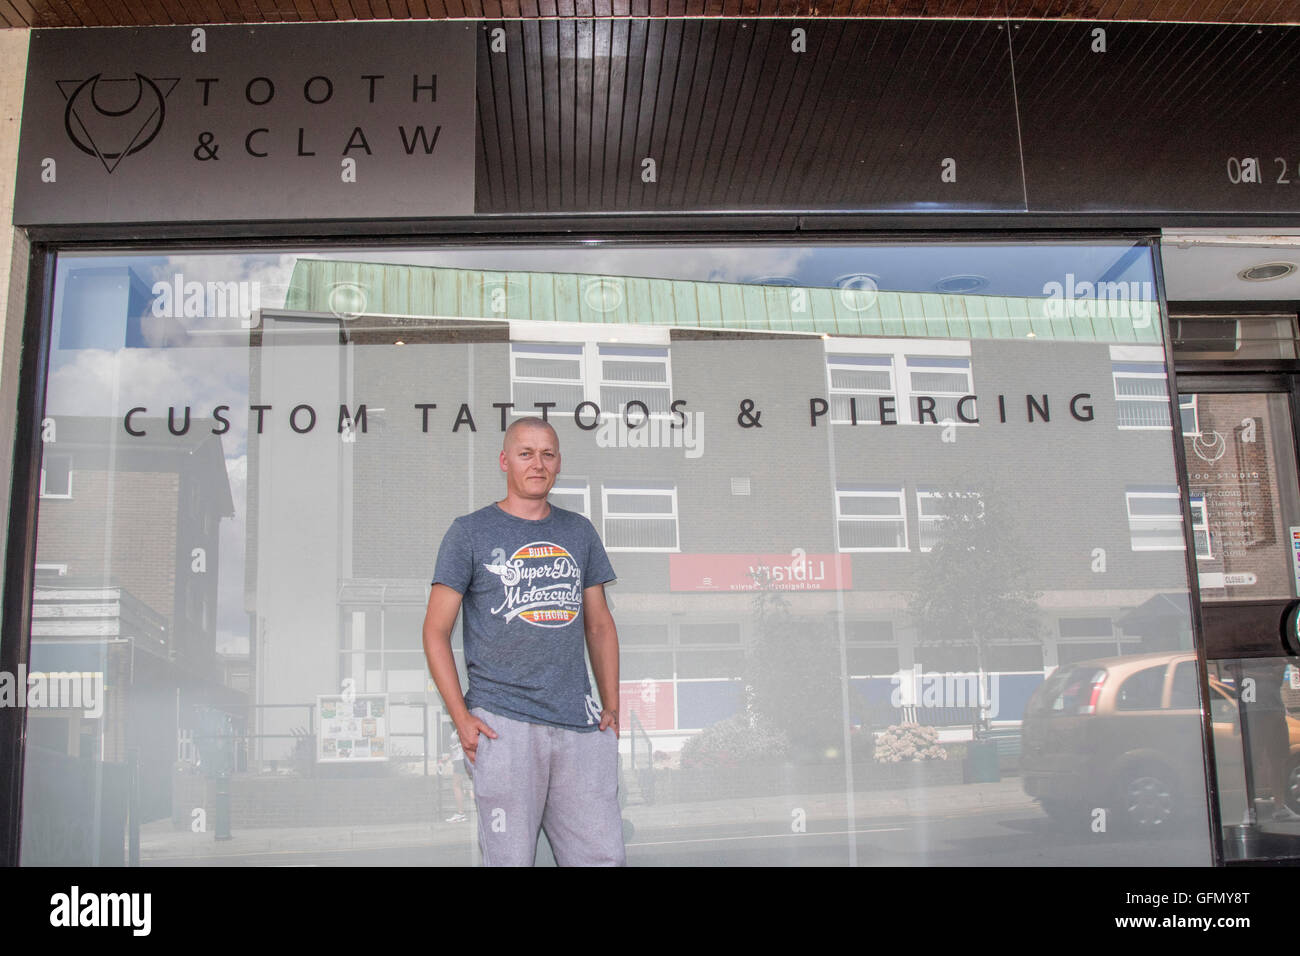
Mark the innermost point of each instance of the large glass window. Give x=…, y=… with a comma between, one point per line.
x=250, y=458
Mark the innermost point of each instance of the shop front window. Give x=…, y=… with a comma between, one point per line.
x=938, y=643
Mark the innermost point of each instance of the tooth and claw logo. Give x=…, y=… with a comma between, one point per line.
x=1212, y=450
x=112, y=118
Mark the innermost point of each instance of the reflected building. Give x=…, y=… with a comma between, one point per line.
x=833, y=493
x=831, y=512
x=126, y=596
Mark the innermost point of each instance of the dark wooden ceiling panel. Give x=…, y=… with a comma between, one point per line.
x=574, y=115
x=1171, y=107
x=75, y=13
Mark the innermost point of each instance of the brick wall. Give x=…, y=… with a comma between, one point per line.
x=142, y=551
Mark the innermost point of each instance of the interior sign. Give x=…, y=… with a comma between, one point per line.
x=1295, y=557
x=220, y=123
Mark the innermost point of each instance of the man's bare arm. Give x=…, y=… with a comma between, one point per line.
x=439, y=620
x=602, y=645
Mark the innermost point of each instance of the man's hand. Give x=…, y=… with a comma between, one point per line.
x=602, y=646
x=468, y=731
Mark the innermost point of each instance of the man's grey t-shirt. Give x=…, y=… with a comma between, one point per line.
x=521, y=583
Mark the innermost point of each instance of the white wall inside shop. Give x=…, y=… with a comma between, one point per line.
x=301, y=529
x=13, y=252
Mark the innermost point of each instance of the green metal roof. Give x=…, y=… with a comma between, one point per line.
x=427, y=291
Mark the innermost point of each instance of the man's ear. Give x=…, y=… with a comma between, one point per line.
x=502, y=460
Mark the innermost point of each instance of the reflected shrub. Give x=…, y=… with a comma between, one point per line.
x=734, y=742
x=904, y=742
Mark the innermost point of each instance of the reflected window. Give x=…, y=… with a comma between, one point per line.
x=1189, y=414
x=938, y=384
x=929, y=514
x=645, y=665
x=1184, y=695
x=1141, y=394
x=642, y=634
x=871, y=517
x=1023, y=656
x=1075, y=690
x=546, y=373
x=1143, y=690
x=857, y=383
x=1155, y=519
x=710, y=664
x=634, y=373
x=572, y=494
x=56, y=476
x=382, y=649
x=640, y=516
x=1201, y=528
x=925, y=387
x=872, y=648
x=948, y=658
x=872, y=660
x=586, y=369
x=709, y=632
x=1085, y=639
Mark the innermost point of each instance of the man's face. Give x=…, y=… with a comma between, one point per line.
x=531, y=460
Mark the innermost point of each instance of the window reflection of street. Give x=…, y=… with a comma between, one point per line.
x=831, y=625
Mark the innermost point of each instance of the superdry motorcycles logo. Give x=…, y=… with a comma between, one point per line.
x=110, y=118
x=542, y=584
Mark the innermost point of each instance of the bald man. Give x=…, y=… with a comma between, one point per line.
x=530, y=579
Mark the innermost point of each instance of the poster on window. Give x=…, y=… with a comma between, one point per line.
x=352, y=728
x=1242, y=487
x=652, y=701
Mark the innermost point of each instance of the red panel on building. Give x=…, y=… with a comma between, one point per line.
x=651, y=700
x=749, y=572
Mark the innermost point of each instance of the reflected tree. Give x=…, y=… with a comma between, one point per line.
x=973, y=586
x=792, y=677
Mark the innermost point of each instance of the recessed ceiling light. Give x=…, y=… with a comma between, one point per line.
x=960, y=284
x=1266, y=271
x=603, y=294
x=859, y=281
x=773, y=280
x=858, y=290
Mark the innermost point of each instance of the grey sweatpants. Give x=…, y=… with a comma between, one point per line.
x=562, y=781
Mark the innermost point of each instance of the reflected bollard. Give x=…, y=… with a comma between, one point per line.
x=221, y=807
x=216, y=756
x=981, y=765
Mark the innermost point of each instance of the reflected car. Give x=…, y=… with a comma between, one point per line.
x=1124, y=733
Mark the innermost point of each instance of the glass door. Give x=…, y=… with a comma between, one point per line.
x=1244, y=504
